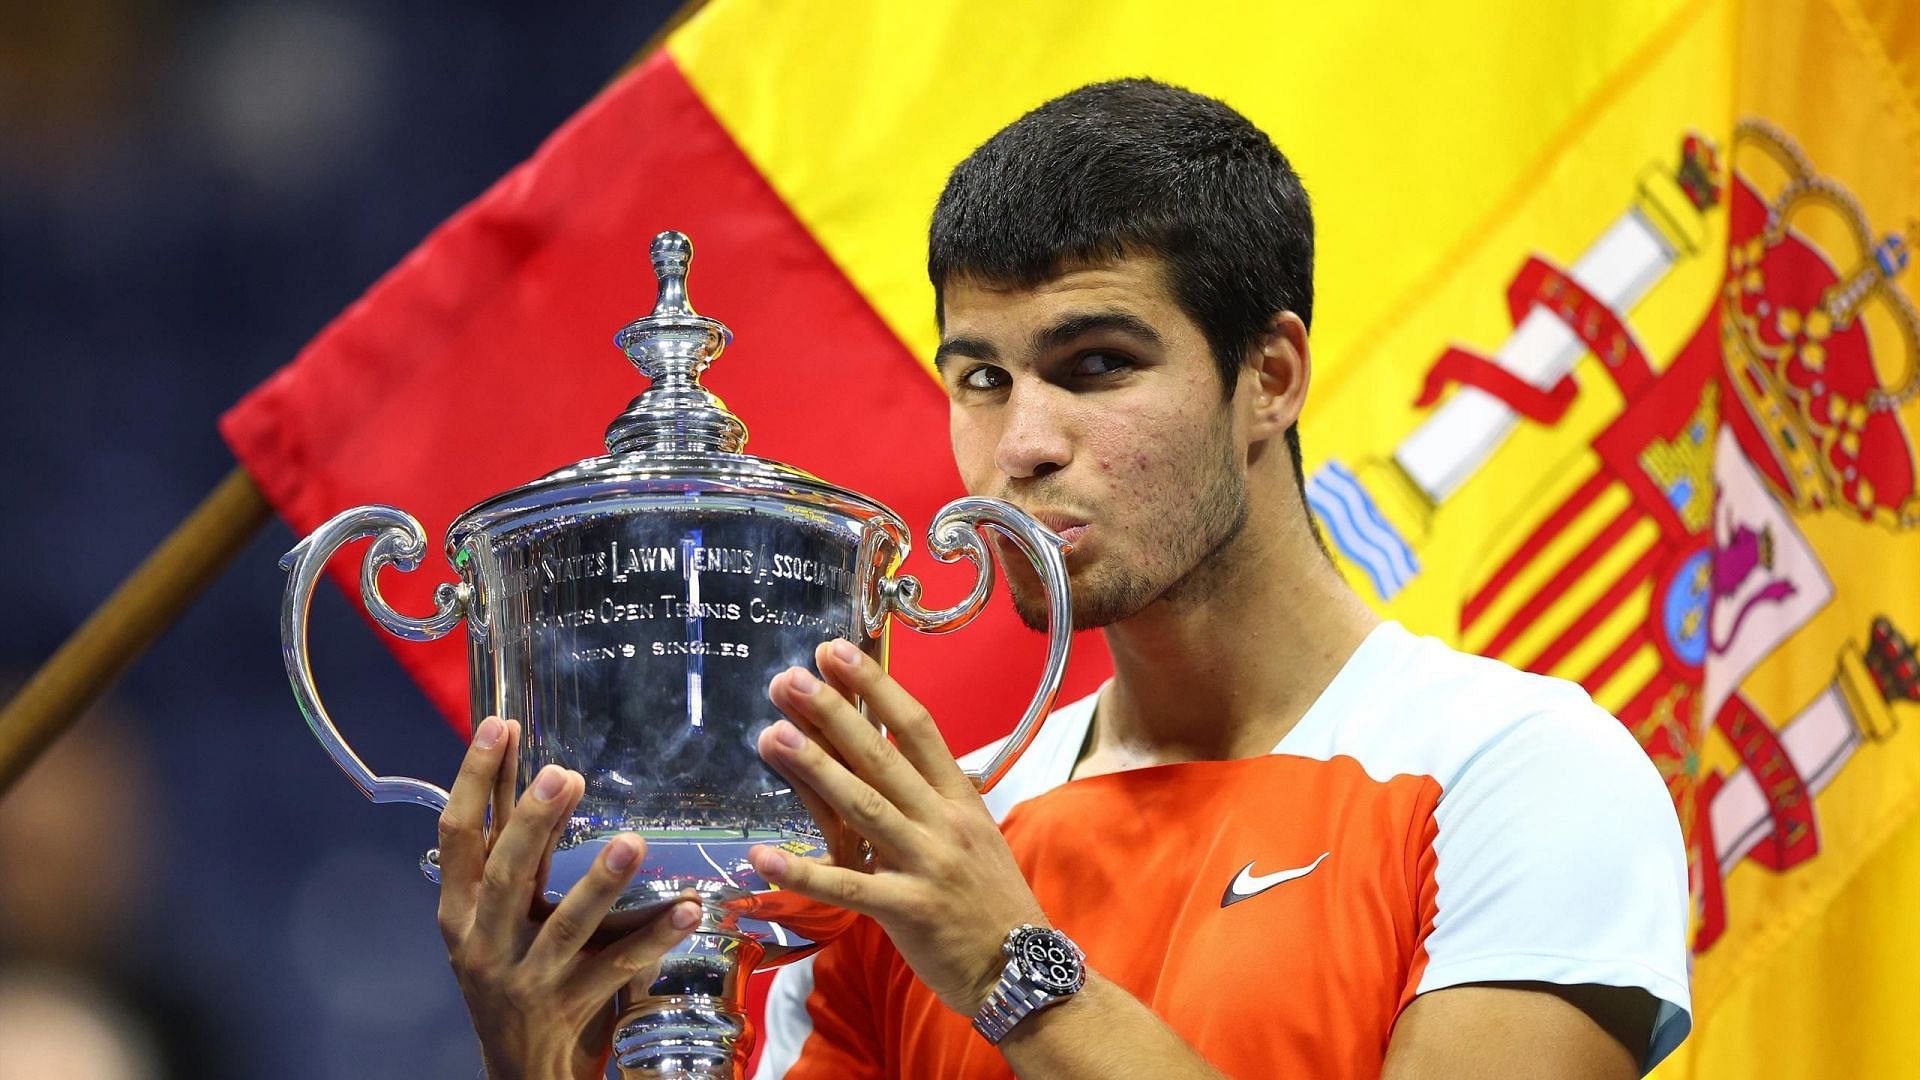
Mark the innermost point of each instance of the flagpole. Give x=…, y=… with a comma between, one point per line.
x=120, y=629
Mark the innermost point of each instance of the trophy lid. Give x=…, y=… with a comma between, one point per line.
x=672, y=347
x=677, y=437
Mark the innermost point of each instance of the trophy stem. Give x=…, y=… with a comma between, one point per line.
x=691, y=1022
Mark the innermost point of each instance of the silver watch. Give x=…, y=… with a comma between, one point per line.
x=1044, y=967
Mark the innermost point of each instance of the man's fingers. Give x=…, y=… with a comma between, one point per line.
x=836, y=678
x=504, y=781
x=858, y=740
x=554, y=835
x=864, y=894
x=585, y=906
x=634, y=956
x=463, y=841
x=914, y=733
x=842, y=841
x=507, y=883
x=859, y=804
x=824, y=739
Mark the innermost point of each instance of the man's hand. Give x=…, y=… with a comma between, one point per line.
x=943, y=885
x=540, y=1003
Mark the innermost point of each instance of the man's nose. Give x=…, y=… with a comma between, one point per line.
x=1034, y=440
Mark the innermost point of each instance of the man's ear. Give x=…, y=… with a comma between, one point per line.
x=1281, y=368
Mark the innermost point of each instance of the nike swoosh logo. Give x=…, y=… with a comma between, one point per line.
x=1247, y=884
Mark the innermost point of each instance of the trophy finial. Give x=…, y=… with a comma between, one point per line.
x=672, y=347
x=672, y=254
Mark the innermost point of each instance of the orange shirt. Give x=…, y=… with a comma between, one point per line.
x=1434, y=819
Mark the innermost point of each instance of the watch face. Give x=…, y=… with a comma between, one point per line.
x=1050, y=960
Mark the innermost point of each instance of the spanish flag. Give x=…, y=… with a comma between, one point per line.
x=1618, y=377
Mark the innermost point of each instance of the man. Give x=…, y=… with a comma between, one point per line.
x=1286, y=839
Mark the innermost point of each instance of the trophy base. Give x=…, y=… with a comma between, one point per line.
x=690, y=1023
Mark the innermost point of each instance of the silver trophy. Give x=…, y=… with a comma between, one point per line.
x=630, y=611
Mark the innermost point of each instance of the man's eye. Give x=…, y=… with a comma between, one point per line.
x=1099, y=363
x=984, y=378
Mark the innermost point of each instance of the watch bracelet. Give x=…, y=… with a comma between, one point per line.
x=1007, y=1004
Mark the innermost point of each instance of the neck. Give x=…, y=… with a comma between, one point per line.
x=1226, y=665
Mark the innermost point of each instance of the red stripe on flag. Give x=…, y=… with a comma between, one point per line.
x=1563, y=580
x=1592, y=617
x=485, y=359
x=1477, y=604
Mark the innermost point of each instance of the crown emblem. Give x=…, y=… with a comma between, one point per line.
x=1797, y=348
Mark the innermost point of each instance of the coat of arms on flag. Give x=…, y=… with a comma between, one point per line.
x=1675, y=567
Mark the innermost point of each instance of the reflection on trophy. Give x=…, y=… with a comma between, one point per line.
x=630, y=611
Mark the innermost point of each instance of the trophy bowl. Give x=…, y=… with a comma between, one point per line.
x=629, y=611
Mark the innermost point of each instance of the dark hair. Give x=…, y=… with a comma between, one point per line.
x=1137, y=167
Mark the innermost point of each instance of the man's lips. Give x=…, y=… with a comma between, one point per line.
x=1068, y=527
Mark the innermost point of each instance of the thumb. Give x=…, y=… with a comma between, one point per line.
x=634, y=956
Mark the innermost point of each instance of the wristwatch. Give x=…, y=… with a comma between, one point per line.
x=1044, y=967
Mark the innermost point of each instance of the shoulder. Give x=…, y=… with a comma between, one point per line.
x=1411, y=705
x=1553, y=852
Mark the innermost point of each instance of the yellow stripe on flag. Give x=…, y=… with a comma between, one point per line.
x=1403, y=125
x=1610, y=634
x=1613, y=694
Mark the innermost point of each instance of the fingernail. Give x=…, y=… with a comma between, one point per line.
x=788, y=736
x=547, y=785
x=844, y=652
x=621, y=853
x=487, y=735
x=685, y=915
x=776, y=862
x=802, y=682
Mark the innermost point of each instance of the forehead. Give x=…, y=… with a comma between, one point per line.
x=1134, y=285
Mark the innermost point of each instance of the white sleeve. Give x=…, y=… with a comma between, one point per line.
x=1557, y=857
x=786, y=1023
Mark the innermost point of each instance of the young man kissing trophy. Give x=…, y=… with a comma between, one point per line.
x=1287, y=839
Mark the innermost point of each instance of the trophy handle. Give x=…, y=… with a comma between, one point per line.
x=958, y=532
x=400, y=542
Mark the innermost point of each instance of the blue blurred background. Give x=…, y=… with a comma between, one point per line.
x=188, y=192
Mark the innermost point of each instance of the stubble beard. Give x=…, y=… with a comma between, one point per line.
x=1196, y=548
